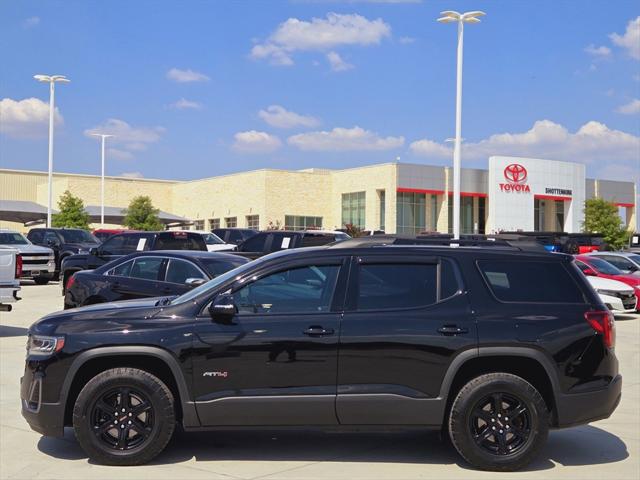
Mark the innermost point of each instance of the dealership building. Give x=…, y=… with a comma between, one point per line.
x=514, y=193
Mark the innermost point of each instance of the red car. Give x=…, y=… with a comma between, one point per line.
x=600, y=268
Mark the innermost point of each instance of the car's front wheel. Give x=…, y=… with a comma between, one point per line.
x=124, y=416
x=499, y=422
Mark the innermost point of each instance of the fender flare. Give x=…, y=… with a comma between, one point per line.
x=528, y=352
x=189, y=415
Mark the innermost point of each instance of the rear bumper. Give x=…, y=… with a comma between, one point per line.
x=580, y=408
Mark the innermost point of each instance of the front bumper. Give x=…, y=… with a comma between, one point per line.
x=580, y=408
x=45, y=418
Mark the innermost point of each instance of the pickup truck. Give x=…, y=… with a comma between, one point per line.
x=38, y=262
x=10, y=271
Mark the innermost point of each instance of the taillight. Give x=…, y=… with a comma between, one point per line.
x=18, y=266
x=603, y=322
x=71, y=281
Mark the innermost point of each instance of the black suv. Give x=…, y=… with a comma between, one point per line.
x=234, y=235
x=275, y=240
x=495, y=345
x=63, y=241
x=124, y=243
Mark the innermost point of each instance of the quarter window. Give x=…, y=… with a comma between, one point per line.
x=534, y=282
x=122, y=270
x=410, y=285
x=299, y=290
x=179, y=270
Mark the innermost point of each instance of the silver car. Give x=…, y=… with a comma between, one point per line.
x=37, y=262
x=628, y=262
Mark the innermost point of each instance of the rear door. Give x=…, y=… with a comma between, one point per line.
x=405, y=320
x=177, y=272
x=137, y=278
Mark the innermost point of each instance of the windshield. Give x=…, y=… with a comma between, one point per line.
x=604, y=267
x=12, y=238
x=211, y=239
x=78, y=236
x=211, y=285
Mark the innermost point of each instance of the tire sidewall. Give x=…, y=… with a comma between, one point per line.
x=162, y=426
x=460, y=422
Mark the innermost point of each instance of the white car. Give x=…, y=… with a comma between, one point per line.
x=617, y=296
x=214, y=242
x=10, y=270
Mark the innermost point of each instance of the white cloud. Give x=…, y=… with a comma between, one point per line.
x=132, y=175
x=186, y=76
x=129, y=138
x=320, y=34
x=253, y=141
x=429, y=148
x=630, y=40
x=406, y=40
x=598, y=52
x=184, y=104
x=31, y=22
x=630, y=108
x=592, y=142
x=279, y=117
x=28, y=118
x=344, y=139
x=337, y=63
x=119, y=154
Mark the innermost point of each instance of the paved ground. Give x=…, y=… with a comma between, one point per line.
x=609, y=449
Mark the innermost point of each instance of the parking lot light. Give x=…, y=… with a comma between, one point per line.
x=102, y=136
x=51, y=79
x=450, y=16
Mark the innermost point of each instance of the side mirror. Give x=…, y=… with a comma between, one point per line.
x=590, y=272
x=194, y=282
x=223, y=309
x=95, y=251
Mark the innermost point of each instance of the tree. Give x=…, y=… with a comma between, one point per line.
x=72, y=213
x=141, y=215
x=602, y=217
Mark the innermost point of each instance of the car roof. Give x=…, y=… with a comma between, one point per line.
x=198, y=254
x=616, y=254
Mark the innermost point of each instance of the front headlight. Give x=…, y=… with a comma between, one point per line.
x=44, y=345
x=610, y=293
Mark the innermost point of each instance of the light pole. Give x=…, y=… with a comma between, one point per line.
x=450, y=16
x=102, y=136
x=51, y=79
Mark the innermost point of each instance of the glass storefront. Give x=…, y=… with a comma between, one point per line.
x=410, y=212
x=353, y=209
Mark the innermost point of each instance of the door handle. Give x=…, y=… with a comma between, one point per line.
x=317, y=331
x=452, y=330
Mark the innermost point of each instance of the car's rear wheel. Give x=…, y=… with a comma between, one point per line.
x=499, y=422
x=124, y=416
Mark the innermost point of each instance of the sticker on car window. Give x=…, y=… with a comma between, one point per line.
x=285, y=242
x=141, y=243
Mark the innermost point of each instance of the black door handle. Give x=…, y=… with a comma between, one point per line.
x=452, y=330
x=317, y=331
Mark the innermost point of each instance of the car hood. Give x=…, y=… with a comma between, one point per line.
x=29, y=248
x=608, y=284
x=77, y=319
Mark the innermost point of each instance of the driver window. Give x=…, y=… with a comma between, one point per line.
x=114, y=245
x=178, y=271
x=300, y=290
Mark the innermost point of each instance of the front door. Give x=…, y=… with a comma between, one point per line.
x=275, y=361
x=406, y=318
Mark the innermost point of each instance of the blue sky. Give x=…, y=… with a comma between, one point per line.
x=194, y=89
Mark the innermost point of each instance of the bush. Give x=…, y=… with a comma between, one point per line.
x=72, y=213
x=141, y=215
x=602, y=217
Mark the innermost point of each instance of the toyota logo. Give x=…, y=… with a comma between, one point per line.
x=515, y=173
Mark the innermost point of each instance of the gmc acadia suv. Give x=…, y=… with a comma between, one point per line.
x=494, y=345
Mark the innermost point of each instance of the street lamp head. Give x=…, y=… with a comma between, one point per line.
x=42, y=78
x=101, y=135
x=449, y=16
x=51, y=78
x=472, y=17
x=60, y=78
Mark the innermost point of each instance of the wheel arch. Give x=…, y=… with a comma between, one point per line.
x=152, y=359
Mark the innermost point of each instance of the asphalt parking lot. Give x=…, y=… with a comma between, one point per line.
x=606, y=449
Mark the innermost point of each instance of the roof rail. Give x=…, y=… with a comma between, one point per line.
x=438, y=240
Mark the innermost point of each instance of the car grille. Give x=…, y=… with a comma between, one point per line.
x=36, y=258
x=628, y=299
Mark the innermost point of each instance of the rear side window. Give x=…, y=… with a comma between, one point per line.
x=256, y=243
x=35, y=236
x=316, y=240
x=531, y=282
x=408, y=285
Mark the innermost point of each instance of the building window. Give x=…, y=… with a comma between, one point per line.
x=299, y=222
x=410, y=212
x=539, y=221
x=559, y=216
x=214, y=223
x=482, y=214
x=383, y=208
x=433, y=224
x=198, y=225
x=253, y=222
x=231, y=222
x=353, y=209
